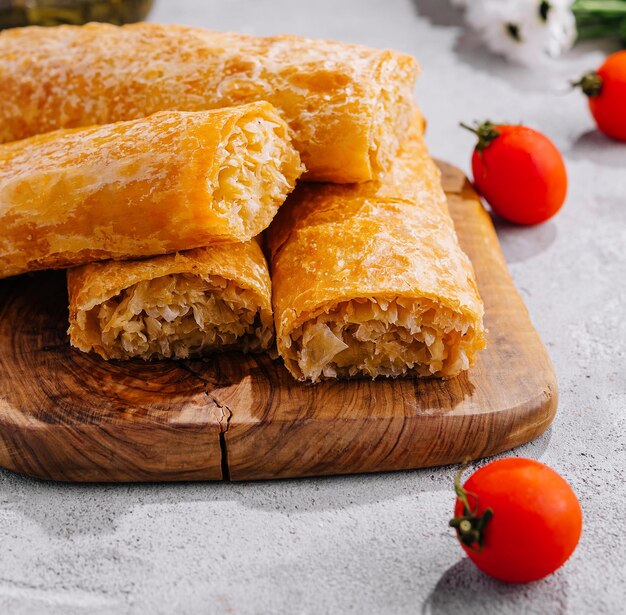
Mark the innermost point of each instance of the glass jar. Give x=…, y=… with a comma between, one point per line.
x=14, y=13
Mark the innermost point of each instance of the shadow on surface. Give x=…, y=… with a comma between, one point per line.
x=439, y=12
x=533, y=449
x=596, y=147
x=67, y=509
x=465, y=589
x=520, y=243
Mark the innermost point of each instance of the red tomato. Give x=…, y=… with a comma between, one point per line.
x=536, y=522
x=519, y=172
x=606, y=89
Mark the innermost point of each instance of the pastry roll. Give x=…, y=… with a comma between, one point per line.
x=370, y=280
x=348, y=105
x=172, y=181
x=177, y=305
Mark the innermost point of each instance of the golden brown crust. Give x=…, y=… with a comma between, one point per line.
x=383, y=241
x=240, y=264
x=348, y=105
x=168, y=182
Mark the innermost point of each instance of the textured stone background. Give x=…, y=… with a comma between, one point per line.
x=376, y=544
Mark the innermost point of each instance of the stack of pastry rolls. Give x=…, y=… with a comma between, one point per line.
x=149, y=159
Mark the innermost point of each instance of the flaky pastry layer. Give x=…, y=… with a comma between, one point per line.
x=370, y=280
x=348, y=105
x=173, y=306
x=171, y=181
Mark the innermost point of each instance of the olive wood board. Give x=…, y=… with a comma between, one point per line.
x=69, y=416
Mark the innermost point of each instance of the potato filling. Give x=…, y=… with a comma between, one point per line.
x=378, y=337
x=181, y=316
x=258, y=170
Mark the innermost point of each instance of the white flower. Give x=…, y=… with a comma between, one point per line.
x=525, y=31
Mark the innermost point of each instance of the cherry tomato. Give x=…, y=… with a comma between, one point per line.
x=606, y=89
x=519, y=172
x=523, y=521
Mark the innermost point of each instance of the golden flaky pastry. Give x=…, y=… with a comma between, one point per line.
x=177, y=305
x=168, y=182
x=348, y=105
x=370, y=279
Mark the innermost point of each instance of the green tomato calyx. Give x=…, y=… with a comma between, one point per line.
x=590, y=83
x=485, y=131
x=470, y=526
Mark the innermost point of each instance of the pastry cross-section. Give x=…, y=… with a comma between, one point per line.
x=173, y=306
x=370, y=280
x=171, y=181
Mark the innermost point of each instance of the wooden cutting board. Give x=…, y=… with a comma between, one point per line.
x=65, y=415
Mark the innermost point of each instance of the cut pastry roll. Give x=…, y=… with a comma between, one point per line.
x=171, y=181
x=348, y=105
x=366, y=283
x=173, y=306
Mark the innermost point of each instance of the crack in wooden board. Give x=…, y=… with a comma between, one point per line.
x=69, y=416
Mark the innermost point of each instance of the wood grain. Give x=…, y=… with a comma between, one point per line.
x=69, y=416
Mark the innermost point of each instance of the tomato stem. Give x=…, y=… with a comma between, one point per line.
x=591, y=83
x=485, y=131
x=470, y=527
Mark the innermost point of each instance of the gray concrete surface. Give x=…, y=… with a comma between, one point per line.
x=376, y=544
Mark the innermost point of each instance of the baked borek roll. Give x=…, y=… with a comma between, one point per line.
x=172, y=181
x=370, y=280
x=348, y=105
x=177, y=305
